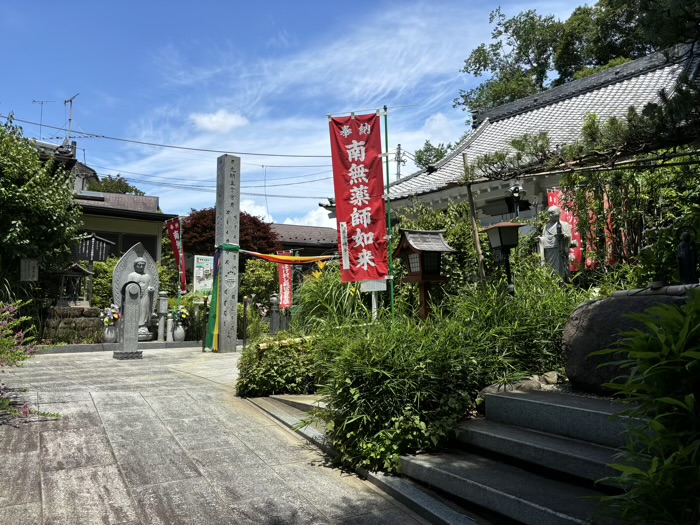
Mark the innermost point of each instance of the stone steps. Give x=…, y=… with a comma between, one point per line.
x=583, y=418
x=566, y=455
x=511, y=491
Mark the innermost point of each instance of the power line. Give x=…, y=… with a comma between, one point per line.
x=170, y=146
x=203, y=180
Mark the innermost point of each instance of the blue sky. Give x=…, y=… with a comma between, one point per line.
x=251, y=77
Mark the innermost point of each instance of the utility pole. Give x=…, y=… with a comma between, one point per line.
x=399, y=161
x=70, y=115
x=41, y=114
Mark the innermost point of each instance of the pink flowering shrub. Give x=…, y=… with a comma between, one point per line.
x=15, y=347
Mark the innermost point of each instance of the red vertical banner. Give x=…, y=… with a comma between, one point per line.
x=555, y=198
x=285, y=274
x=356, y=148
x=174, y=232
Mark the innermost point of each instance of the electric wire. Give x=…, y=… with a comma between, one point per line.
x=169, y=146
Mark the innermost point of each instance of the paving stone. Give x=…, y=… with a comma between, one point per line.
x=334, y=493
x=20, y=479
x=61, y=396
x=63, y=449
x=287, y=508
x=388, y=517
x=134, y=399
x=18, y=437
x=188, y=502
x=28, y=514
x=201, y=433
x=237, y=483
x=275, y=445
x=74, y=414
x=174, y=407
x=86, y=496
x=145, y=461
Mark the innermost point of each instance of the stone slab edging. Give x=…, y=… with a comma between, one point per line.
x=111, y=347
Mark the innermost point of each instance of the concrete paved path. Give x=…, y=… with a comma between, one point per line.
x=164, y=441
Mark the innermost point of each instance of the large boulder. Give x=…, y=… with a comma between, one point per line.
x=597, y=326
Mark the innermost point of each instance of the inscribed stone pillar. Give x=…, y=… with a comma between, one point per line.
x=228, y=198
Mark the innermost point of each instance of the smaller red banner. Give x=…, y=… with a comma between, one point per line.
x=175, y=239
x=285, y=273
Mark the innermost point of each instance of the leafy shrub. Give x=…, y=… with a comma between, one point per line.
x=276, y=365
x=323, y=300
x=15, y=347
x=396, y=387
x=259, y=281
x=660, y=473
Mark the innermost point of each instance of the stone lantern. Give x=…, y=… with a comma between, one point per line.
x=421, y=252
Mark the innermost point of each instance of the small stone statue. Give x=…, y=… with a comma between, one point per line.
x=555, y=243
x=687, y=260
x=140, y=276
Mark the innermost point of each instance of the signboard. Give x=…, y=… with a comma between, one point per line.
x=29, y=270
x=356, y=148
x=203, y=273
x=373, y=286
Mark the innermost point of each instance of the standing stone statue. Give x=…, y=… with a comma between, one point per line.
x=687, y=260
x=136, y=265
x=555, y=243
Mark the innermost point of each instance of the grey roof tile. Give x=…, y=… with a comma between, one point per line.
x=559, y=111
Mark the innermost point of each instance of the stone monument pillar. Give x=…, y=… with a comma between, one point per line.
x=129, y=323
x=162, y=313
x=227, y=232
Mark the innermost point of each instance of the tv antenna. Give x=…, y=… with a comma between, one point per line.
x=70, y=115
x=41, y=115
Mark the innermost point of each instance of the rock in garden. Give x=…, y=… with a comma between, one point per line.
x=597, y=326
x=550, y=378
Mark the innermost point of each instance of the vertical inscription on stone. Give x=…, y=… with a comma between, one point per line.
x=227, y=232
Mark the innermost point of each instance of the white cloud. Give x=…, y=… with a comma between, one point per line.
x=220, y=122
x=316, y=217
x=251, y=208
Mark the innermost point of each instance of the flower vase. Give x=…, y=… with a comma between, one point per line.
x=110, y=334
x=178, y=333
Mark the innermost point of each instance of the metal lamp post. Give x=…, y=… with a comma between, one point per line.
x=503, y=238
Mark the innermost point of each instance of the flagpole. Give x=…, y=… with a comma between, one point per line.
x=388, y=209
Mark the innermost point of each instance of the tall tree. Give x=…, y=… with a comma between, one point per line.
x=518, y=60
x=428, y=155
x=38, y=218
x=116, y=184
x=199, y=228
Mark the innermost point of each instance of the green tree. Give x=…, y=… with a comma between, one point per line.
x=260, y=280
x=116, y=184
x=38, y=218
x=428, y=155
x=518, y=60
x=199, y=228
x=668, y=22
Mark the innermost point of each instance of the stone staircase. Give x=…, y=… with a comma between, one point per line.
x=532, y=460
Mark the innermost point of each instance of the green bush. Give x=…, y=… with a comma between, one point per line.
x=660, y=468
x=259, y=281
x=276, y=365
x=323, y=300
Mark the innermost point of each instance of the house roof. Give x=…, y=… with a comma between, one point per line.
x=119, y=205
x=560, y=112
x=306, y=235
